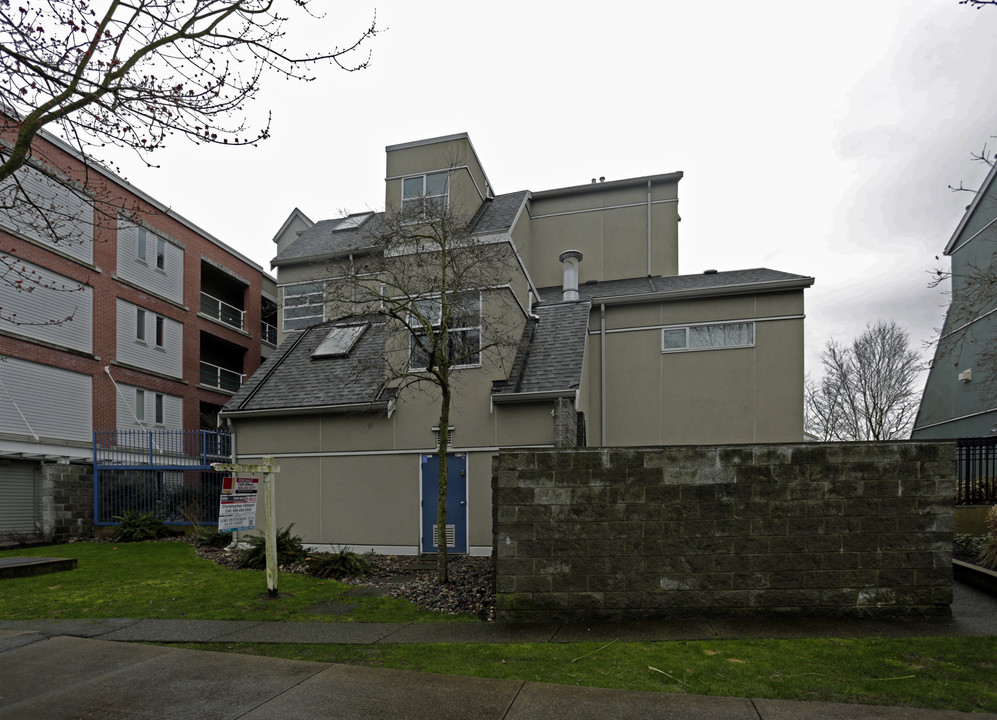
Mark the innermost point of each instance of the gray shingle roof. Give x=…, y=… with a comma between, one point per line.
x=499, y=212
x=553, y=348
x=291, y=378
x=732, y=280
x=326, y=238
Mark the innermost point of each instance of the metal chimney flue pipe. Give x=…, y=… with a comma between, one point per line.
x=570, y=260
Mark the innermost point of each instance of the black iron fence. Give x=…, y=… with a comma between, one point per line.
x=977, y=458
x=167, y=472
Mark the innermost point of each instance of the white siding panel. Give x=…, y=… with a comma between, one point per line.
x=167, y=282
x=167, y=360
x=17, y=496
x=55, y=403
x=41, y=313
x=127, y=409
x=57, y=216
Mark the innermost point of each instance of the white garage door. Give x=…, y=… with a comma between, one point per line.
x=17, y=496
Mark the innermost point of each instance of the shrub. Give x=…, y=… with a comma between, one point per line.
x=289, y=550
x=337, y=565
x=209, y=537
x=135, y=526
x=988, y=553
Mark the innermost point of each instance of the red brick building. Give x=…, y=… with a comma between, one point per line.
x=164, y=320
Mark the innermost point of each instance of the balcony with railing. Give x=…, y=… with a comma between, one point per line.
x=215, y=376
x=268, y=333
x=222, y=311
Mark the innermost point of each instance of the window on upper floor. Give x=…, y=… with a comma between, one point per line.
x=158, y=406
x=424, y=192
x=160, y=331
x=140, y=324
x=160, y=253
x=141, y=245
x=708, y=337
x=303, y=304
x=463, y=332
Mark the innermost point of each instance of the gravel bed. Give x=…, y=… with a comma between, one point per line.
x=470, y=589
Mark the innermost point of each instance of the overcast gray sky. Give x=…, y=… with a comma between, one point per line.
x=815, y=138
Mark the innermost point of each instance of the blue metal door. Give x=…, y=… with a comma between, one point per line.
x=456, y=530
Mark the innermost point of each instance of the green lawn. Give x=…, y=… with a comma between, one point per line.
x=941, y=673
x=167, y=580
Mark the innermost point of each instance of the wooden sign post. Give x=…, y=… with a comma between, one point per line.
x=268, y=470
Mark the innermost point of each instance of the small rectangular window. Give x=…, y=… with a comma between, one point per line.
x=160, y=253
x=159, y=408
x=140, y=245
x=708, y=337
x=426, y=193
x=160, y=331
x=140, y=325
x=140, y=405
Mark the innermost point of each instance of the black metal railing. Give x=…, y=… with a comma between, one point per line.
x=977, y=460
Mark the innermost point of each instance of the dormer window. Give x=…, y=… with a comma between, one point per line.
x=422, y=192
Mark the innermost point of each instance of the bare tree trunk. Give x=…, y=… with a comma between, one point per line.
x=441, y=498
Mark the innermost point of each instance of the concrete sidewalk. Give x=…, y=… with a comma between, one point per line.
x=56, y=670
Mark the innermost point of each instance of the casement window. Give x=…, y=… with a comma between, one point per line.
x=160, y=253
x=423, y=192
x=463, y=334
x=303, y=304
x=140, y=405
x=159, y=409
x=141, y=245
x=160, y=331
x=708, y=337
x=140, y=324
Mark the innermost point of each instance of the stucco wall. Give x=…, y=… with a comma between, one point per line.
x=802, y=529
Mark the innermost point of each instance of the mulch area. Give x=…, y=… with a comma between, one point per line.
x=412, y=578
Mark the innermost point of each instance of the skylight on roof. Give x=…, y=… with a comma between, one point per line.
x=339, y=341
x=352, y=221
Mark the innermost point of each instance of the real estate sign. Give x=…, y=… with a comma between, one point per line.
x=237, y=512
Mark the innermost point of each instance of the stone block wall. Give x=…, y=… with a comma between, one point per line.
x=66, y=500
x=839, y=529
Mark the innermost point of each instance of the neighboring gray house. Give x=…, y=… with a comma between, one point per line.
x=960, y=395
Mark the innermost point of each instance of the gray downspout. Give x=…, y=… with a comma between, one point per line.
x=602, y=370
x=649, y=273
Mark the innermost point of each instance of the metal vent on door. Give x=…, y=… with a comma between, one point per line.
x=450, y=536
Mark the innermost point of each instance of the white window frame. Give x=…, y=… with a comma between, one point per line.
x=160, y=331
x=160, y=408
x=464, y=330
x=316, y=299
x=721, y=335
x=160, y=254
x=140, y=405
x=424, y=197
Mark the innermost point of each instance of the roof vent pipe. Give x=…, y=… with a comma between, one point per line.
x=570, y=260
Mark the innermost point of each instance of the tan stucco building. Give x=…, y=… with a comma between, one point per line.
x=610, y=346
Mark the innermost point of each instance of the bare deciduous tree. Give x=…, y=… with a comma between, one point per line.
x=129, y=75
x=444, y=295
x=867, y=391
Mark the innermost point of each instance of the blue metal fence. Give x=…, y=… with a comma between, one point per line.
x=167, y=472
